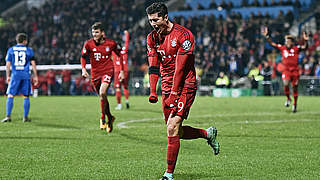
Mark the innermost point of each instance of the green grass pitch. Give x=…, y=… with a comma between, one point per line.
x=259, y=137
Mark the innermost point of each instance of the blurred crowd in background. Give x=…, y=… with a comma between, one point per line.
x=233, y=45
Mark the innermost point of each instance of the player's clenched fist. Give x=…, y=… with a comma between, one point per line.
x=153, y=98
x=172, y=100
x=85, y=73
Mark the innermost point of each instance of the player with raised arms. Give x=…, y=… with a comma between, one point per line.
x=170, y=53
x=99, y=49
x=125, y=82
x=19, y=58
x=290, y=54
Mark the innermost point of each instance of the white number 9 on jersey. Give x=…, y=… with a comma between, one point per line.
x=180, y=106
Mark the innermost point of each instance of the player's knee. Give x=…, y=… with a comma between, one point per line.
x=171, y=129
x=102, y=93
x=10, y=95
x=173, y=126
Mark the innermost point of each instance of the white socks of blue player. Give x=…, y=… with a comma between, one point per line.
x=119, y=107
x=168, y=175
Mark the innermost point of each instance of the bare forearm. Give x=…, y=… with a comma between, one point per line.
x=269, y=40
x=34, y=68
x=8, y=69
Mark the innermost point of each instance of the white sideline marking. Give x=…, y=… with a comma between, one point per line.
x=123, y=124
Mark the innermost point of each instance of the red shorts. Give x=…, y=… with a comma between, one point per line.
x=186, y=99
x=107, y=78
x=292, y=76
x=125, y=81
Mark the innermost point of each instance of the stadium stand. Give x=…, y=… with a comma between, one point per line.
x=228, y=38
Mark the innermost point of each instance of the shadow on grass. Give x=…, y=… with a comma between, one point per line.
x=58, y=126
x=36, y=138
x=141, y=140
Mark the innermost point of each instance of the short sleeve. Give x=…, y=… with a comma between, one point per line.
x=85, y=49
x=9, y=55
x=186, y=42
x=279, y=46
x=31, y=53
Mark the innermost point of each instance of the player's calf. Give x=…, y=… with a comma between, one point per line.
x=110, y=124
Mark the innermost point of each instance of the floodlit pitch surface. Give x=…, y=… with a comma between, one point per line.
x=259, y=137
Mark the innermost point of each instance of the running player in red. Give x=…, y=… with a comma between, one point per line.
x=99, y=49
x=170, y=53
x=290, y=53
x=117, y=68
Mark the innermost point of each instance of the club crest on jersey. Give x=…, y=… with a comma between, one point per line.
x=94, y=49
x=174, y=43
x=107, y=49
x=292, y=50
x=186, y=45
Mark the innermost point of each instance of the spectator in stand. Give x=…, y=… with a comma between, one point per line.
x=213, y=5
x=255, y=3
x=254, y=76
x=51, y=82
x=2, y=85
x=66, y=81
x=317, y=69
x=274, y=3
x=266, y=72
x=78, y=84
x=222, y=81
x=265, y=3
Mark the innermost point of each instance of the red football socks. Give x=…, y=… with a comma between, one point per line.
x=287, y=92
x=172, y=152
x=126, y=93
x=118, y=96
x=295, y=94
x=193, y=133
x=102, y=110
x=105, y=109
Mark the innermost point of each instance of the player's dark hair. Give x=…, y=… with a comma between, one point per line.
x=21, y=37
x=97, y=25
x=157, y=7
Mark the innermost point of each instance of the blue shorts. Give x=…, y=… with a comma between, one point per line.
x=19, y=86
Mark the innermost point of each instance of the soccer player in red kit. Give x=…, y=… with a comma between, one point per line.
x=290, y=53
x=170, y=53
x=99, y=49
x=117, y=68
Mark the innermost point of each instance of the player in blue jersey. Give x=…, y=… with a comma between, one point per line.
x=19, y=58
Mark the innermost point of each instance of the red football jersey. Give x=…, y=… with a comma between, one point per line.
x=100, y=56
x=124, y=54
x=289, y=57
x=179, y=41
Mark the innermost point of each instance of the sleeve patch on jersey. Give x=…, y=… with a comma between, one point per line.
x=119, y=47
x=149, y=49
x=186, y=45
x=84, y=50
